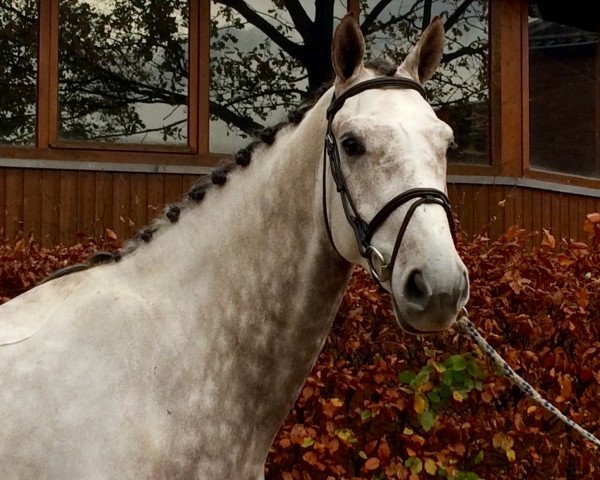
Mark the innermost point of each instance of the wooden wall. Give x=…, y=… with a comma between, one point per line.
x=57, y=205
x=492, y=209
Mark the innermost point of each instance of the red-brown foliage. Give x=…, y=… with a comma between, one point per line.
x=539, y=307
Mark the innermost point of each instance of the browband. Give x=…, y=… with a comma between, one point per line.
x=373, y=83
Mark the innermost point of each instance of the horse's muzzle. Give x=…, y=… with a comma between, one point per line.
x=426, y=303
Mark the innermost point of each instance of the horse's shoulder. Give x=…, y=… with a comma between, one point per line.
x=26, y=314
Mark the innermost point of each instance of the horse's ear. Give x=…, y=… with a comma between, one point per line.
x=423, y=59
x=347, y=49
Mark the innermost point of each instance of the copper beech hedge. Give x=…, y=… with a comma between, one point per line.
x=367, y=409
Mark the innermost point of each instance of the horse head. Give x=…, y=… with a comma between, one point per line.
x=387, y=159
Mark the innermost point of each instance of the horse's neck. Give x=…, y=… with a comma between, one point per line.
x=253, y=266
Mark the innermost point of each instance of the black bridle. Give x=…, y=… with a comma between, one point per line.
x=364, y=231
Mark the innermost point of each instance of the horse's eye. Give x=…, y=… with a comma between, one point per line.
x=352, y=146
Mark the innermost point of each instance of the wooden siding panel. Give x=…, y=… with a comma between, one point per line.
x=50, y=229
x=527, y=210
x=590, y=205
x=103, y=202
x=517, y=202
x=2, y=201
x=187, y=181
x=32, y=203
x=139, y=200
x=536, y=211
x=481, y=214
x=57, y=205
x=574, y=221
x=467, y=208
x=68, y=206
x=563, y=212
x=510, y=198
x=555, y=226
x=173, y=187
x=156, y=196
x=497, y=213
x=581, y=215
x=13, y=201
x=86, y=202
x=121, y=221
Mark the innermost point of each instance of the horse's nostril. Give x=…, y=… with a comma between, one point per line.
x=416, y=289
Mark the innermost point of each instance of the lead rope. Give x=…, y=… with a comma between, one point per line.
x=465, y=326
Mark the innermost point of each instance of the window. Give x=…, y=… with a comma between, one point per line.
x=18, y=69
x=123, y=71
x=563, y=90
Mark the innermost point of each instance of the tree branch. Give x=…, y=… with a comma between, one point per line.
x=265, y=93
x=299, y=17
x=245, y=124
x=269, y=30
x=369, y=20
x=426, y=15
x=455, y=17
x=147, y=130
x=448, y=57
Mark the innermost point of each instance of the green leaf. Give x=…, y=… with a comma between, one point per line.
x=434, y=396
x=427, y=420
x=366, y=415
x=362, y=455
x=475, y=370
x=346, y=434
x=307, y=442
x=414, y=464
x=422, y=377
x=478, y=458
x=455, y=362
x=406, y=377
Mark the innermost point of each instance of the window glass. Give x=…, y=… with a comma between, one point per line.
x=563, y=89
x=123, y=71
x=18, y=70
x=265, y=58
x=459, y=89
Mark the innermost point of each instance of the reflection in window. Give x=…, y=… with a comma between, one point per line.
x=123, y=71
x=459, y=89
x=18, y=66
x=563, y=89
x=264, y=61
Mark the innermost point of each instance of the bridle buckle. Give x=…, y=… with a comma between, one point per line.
x=379, y=268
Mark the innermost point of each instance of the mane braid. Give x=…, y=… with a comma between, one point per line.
x=197, y=192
